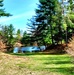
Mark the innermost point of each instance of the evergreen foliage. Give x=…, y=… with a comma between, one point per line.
x=2, y=11
x=53, y=22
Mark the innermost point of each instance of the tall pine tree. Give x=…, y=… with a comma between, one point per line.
x=45, y=19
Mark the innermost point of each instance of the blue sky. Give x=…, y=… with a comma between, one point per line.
x=21, y=11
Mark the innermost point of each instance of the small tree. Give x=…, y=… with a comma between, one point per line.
x=7, y=34
x=18, y=35
x=25, y=40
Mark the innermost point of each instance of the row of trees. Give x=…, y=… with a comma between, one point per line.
x=53, y=22
x=8, y=35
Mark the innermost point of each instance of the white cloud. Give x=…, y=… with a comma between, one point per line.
x=15, y=17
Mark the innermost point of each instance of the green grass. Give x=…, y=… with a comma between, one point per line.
x=45, y=62
x=39, y=64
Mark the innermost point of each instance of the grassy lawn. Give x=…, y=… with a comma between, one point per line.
x=35, y=64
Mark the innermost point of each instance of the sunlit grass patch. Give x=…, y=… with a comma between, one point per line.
x=46, y=62
x=37, y=63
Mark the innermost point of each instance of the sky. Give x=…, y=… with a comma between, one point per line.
x=22, y=10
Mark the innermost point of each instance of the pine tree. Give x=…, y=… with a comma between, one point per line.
x=18, y=35
x=2, y=11
x=70, y=19
x=45, y=19
x=54, y=21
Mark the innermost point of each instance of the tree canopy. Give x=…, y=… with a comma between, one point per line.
x=53, y=22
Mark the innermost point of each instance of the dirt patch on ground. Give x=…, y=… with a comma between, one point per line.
x=61, y=48
x=56, y=49
x=70, y=47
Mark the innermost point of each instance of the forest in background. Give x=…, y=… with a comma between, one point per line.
x=53, y=24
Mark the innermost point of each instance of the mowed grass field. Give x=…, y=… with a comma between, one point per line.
x=36, y=64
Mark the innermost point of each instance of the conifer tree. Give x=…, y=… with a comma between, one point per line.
x=45, y=19
x=2, y=11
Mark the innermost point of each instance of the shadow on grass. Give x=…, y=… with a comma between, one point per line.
x=49, y=61
x=33, y=53
x=58, y=62
x=64, y=70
